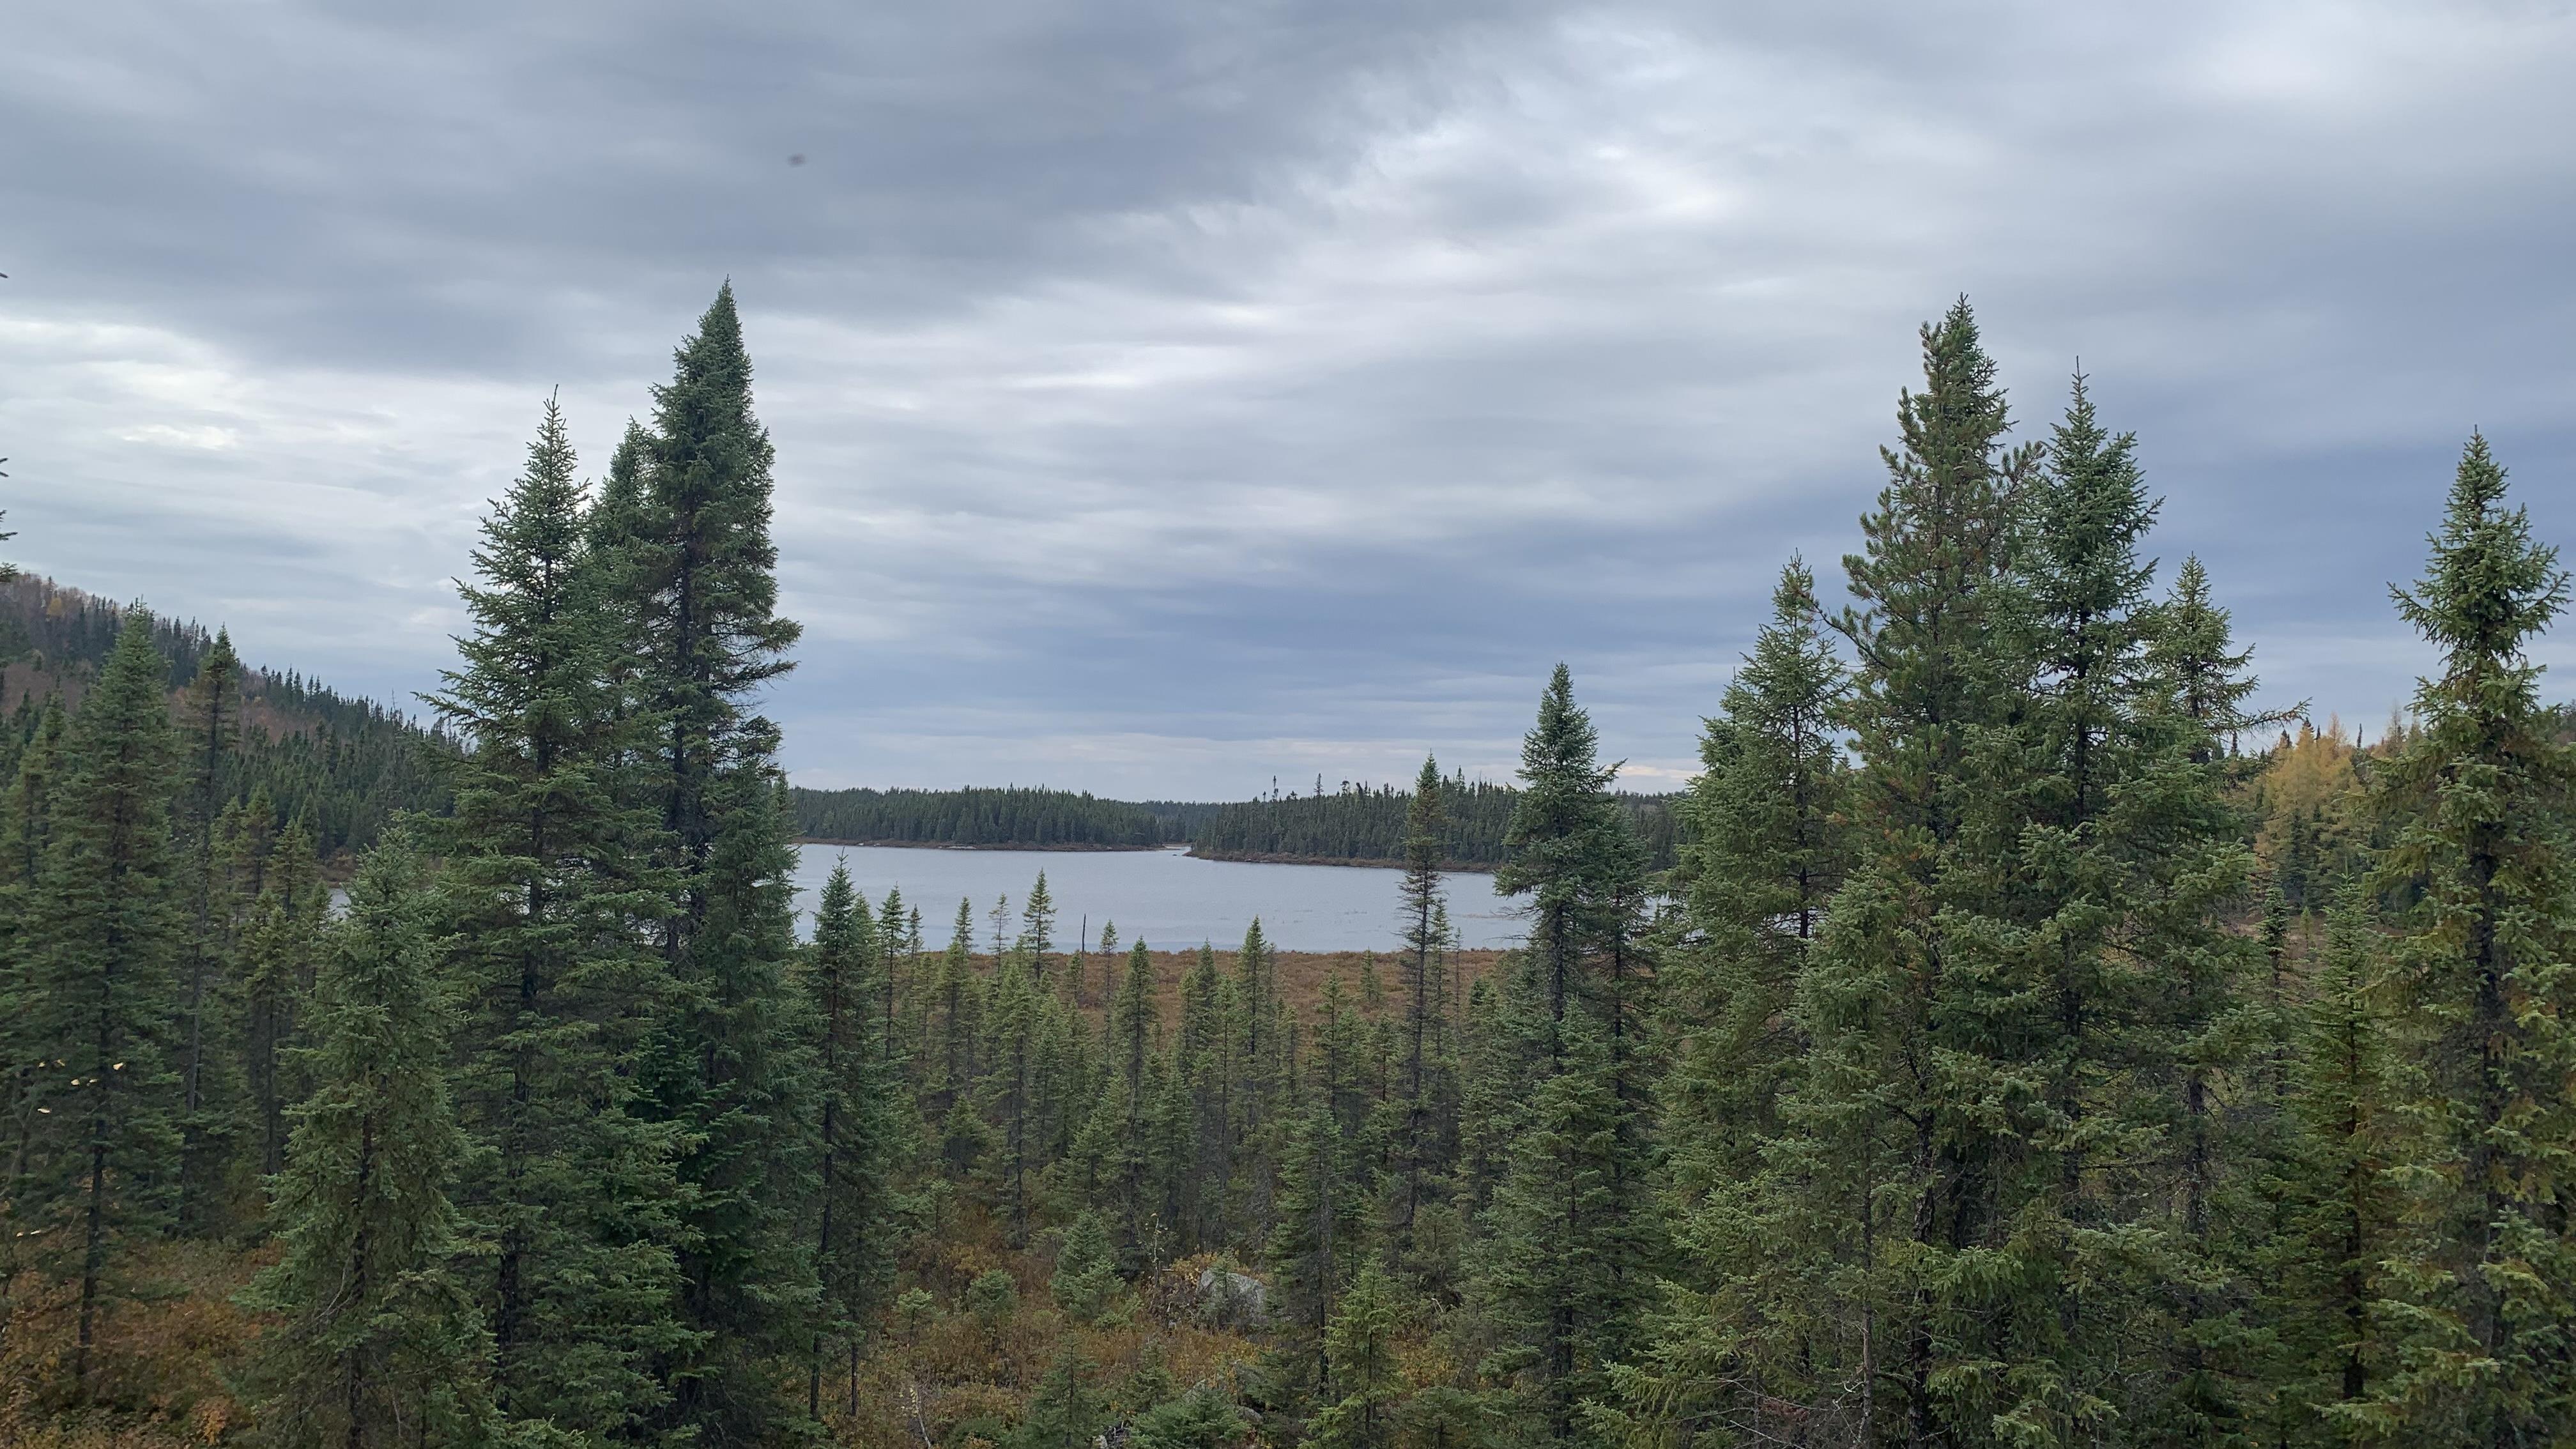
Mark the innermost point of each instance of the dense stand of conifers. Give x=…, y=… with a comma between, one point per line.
x=2009, y=1058
x=344, y=766
x=1011, y=815
x=1365, y=824
x=1360, y=824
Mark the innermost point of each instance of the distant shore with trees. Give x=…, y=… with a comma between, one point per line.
x=1356, y=824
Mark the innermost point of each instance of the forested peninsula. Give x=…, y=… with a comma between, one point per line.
x=1006, y=818
x=1363, y=825
x=1352, y=825
x=2030, y=1043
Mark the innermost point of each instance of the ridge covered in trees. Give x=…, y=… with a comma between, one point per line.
x=2008, y=1057
x=346, y=766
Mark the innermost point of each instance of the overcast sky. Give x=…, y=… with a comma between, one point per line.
x=1171, y=396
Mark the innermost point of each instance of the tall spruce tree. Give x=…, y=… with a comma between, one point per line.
x=951, y=1051
x=859, y=1133
x=1071, y=1075
x=1421, y=896
x=2485, y=1282
x=1767, y=849
x=103, y=934
x=1883, y=1176
x=1260, y=1077
x=570, y=1182
x=1204, y=1065
x=2107, y=883
x=1570, y=1237
x=896, y=949
x=1561, y=843
x=700, y=592
x=281, y=939
x=1905, y=1038
x=1563, y=1266
x=207, y=1123
x=1339, y=1063
x=381, y=1342
x=2337, y=1188
x=2181, y=1038
x=1037, y=932
x=1008, y=1097
x=1489, y=1091
x=1766, y=855
x=1133, y=1025
x=25, y=827
x=1315, y=1244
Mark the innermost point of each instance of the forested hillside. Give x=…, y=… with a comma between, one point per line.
x=1031, y=819
x=1363, y=825
x=343, y=766
x=2009, y=1058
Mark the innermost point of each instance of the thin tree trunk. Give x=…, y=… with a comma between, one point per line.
x=358, y=1284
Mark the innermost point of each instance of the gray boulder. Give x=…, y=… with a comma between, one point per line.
x=1232, y=1300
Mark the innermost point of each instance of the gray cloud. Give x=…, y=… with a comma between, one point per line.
x=1168, y=396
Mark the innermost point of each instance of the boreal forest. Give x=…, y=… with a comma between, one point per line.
x=1350, y=825
x=2013, y=1036
x=1012, y=816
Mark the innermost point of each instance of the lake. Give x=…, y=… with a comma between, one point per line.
x=1164, y=896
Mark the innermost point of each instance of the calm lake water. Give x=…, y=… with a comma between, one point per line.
x=1164, y=896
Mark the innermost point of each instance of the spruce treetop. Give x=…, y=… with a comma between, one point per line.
x=2486, y=589
x=529, y=657
x=1792, y=671
x=1562, y=748
x=2086, y=521
x=1423, y=818
x=708, y=512
x=708, y=401
x=2192, y=655
x=836, y=916
x=532, y=534
x=1951, y=480
x=1934, y=583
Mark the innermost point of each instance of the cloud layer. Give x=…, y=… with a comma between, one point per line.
x=1170, y=396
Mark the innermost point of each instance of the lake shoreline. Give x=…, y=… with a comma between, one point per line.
x=1260, y=857
x=1062, y=849
x=1166, y=896
x=1231, y=857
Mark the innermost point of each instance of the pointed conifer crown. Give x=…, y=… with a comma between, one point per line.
x=2488, y=586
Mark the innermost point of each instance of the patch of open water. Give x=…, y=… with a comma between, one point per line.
x=1171, y=900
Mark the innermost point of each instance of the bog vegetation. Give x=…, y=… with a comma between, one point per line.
x=2029, y=1043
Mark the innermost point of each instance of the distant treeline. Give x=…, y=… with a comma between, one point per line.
x=343, y=765
x=1182, y=817
x=1355, y=823
x=1012, y=815
x=1358, y=823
